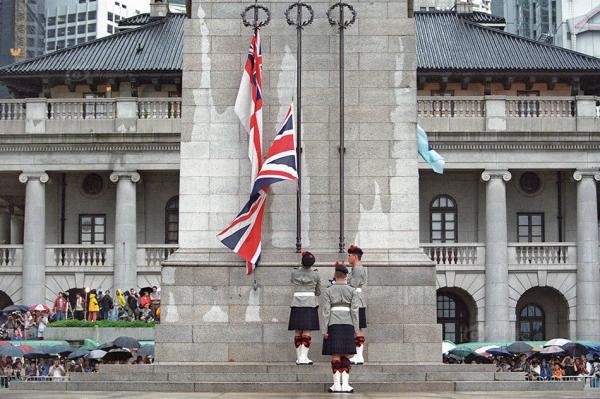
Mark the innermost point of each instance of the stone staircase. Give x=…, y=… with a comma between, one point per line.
x=284, y=377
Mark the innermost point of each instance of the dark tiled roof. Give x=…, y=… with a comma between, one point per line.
x=154, y=47
x=448, y=42
x=136, y=20
x=483, y=18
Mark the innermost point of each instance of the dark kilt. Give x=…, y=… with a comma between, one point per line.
x=303, y=318
x=362, y=318
x=340, y=340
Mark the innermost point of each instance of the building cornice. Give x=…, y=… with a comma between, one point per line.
x=79, y=148
x=527, y=146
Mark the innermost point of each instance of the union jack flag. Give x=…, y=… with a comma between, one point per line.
x=243, y=235
x=248, y=104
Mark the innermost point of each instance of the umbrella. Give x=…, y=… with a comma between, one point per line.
x=557, y=342
x=107, y=346
x=575, y=349
x=78, y=353
x=39, y=352
x=11, y=351
x=60, y=349
x=552, y=350
x=144, y=290
x=447, y=346
x=16, y=308
x=117, y=354
x=461, y=352
x=126, y=342
x=519, y=347
x=146, y=350
x=96, y=354
x=483, y=351
x=25, y=348
x=40, y=308
x=477, y=358
x=5, y=343
x=499, y=351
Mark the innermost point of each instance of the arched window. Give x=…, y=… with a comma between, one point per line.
x=443, y=219
x=531, y=323
x=453, y=315
x=172, y=221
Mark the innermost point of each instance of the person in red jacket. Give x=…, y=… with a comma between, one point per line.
x=60, y=307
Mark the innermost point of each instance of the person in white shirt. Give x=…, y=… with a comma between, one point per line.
x=57, y=372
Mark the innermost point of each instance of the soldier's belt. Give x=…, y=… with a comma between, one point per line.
x=304, y=294
x=340, y=308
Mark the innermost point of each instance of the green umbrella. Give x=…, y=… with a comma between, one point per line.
x=461, y=352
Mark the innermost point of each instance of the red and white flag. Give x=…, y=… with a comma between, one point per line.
x=248, y=104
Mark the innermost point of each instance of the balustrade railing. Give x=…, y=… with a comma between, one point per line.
x=455, y=254
x=152, y=255
x=543, y=253
x=458, y=107
x=11, y=255
x=93, y=255
x=159, y=108
x=82, y=108
x=540, y=107
x=12, y=110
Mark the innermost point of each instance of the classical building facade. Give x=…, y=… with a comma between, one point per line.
x=90, y=172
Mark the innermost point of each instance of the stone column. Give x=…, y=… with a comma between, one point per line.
x=497, y=326
x=588, y=281
x=4, y=225
x=34, y=242
x=125, y=269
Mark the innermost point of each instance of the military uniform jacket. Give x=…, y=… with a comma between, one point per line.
x=306, y=281
x=357, y=278
x=340, y=296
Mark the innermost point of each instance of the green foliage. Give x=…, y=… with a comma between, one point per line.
x=102, y=323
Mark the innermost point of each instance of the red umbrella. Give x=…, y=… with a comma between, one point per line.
x=5, y=343
x=40, y=308
x=25, y=348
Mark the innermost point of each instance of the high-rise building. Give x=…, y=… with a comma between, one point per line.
x=573, y=24
x=71, y=22
x=22, y=36
x=474, y=5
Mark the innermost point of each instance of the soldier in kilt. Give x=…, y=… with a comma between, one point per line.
x=340, y=314
x=357, y=279
x=304, y=316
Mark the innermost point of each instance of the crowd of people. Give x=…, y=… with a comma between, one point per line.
x=99, y=305
x=53, y=369
x=128, y=305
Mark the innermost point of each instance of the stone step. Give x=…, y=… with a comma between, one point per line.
x=317, y=376
x=463, y=386
x=290, y=368
x=277, y=387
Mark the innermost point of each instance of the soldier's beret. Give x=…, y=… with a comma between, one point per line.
x=340, y=267
x=355, y=250
x=308, y=259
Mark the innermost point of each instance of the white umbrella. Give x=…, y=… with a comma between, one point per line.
x=484, y=349
x=552, y=349
x=557, y=342
x=447, y=346
x=96, y=354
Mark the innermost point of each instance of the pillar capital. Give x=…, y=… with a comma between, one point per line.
x=133, y=176
x=42, y=177
x=579, y=174
x=503, y=174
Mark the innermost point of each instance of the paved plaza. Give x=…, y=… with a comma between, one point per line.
x=405, y=395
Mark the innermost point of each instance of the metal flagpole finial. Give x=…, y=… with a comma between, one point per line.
x=256, y=22
x=299, y=24
x=342, y=24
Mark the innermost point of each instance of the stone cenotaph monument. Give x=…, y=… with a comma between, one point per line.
x=211, y=310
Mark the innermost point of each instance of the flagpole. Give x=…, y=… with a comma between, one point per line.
x=342, y=24
x=299, y=23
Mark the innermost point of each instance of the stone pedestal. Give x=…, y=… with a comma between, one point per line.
x=212, y=311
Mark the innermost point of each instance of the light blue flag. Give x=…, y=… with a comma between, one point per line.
x=435, y=160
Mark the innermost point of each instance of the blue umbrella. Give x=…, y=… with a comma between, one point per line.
x=11, y=351
x=499, y=351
